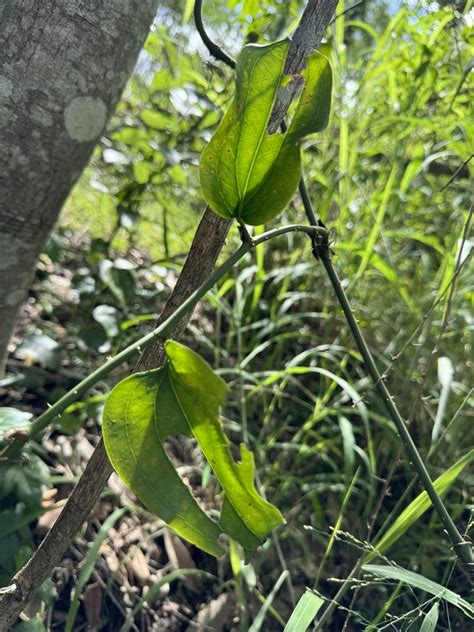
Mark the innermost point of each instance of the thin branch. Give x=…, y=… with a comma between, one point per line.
x=336, y=600
x=207, y=243
x=309, y=34
x=457, y=172
x=346, y=11
x=215, y=50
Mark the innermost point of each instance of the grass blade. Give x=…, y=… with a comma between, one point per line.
x=431, y=619
x=418, y=581
x=88, y=567
x=305, y=611
x=188, y=10
x=260, y=618
x=377, y=224
x=419, y=506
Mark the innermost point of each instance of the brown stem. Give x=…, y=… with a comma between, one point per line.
x=207, y=243
x=205, y=249
x=307, y=38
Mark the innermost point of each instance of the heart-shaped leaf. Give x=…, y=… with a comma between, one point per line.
x=183, y=398
x=247, y=173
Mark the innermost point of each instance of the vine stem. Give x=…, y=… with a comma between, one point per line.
x=162, y=331
x=215, y=50
x=460, y=546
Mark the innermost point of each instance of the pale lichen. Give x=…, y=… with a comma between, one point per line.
x=85, y=118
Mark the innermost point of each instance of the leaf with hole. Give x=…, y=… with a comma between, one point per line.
x=183, y=398
x=247, y=173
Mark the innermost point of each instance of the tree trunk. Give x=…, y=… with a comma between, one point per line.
x=63, y=66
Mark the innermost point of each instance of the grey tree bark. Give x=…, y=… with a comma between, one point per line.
x=63, y=66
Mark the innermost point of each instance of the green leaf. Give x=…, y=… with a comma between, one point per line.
x=246, y=173
x=178, y=175
x=23, y=481
x=418, y=581
x=163, y=80
x=305, y=611
x=156, y=120
x=32, y=625
x=418, y=506
x=40, y=349
x=12, y=418
x=119, y=277
x=431, y=619
x=142, y=171
x=107, y=316
x=188, y=10
x=262, y=613
x=183, y=398
x=130, y=135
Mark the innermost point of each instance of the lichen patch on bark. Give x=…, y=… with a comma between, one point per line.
x=85, y=118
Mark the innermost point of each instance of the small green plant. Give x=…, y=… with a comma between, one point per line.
x=23, y=481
